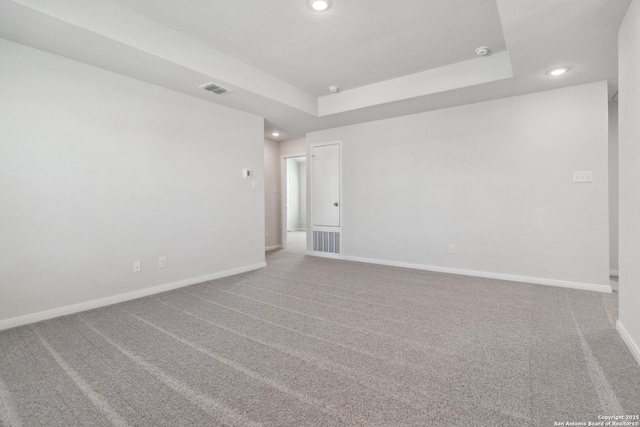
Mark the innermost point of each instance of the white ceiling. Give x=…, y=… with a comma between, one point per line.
x=352, y=44
x=389, y=58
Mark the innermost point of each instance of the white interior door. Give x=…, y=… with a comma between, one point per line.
x=326, y=185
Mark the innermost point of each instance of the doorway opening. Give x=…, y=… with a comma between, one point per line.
x=294, y=237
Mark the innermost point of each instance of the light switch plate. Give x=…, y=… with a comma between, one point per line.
x=584, y=176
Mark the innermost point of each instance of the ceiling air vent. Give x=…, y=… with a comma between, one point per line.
x=218, y=90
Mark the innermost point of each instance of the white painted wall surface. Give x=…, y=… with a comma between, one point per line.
x=613, y=186
x=494, y=179
x=272, y=192
x=99, y=170
x=629, y=148
x=293, y=147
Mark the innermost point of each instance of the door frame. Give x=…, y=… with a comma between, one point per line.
x=283, y=194
x=310, y=224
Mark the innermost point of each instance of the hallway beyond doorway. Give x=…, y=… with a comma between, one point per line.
x=296, y=242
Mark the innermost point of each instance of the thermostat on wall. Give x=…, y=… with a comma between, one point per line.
x=246, y=173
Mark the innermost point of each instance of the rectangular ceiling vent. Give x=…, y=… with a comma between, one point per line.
x=218, y=90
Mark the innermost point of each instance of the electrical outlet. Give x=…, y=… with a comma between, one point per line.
x=452, y=248
x=255, y=184
x=584, y=176
x=137, y=266
x=355, y=241
x=162, y=262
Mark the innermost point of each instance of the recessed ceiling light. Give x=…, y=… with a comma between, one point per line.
x=558, y=71
x=319, y=5
x=275, y=133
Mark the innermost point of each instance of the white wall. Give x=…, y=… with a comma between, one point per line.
x=493, y=178
x=613, y=186
x=99, y=170
x=272, y=192
x=293, y=147
x=629, y=149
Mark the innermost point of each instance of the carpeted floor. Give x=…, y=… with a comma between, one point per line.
x=317, y=342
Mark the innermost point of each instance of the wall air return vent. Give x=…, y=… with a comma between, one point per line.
x=218, y=90
x=326, y=241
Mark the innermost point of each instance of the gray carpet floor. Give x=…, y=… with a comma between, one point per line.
x=317, y=342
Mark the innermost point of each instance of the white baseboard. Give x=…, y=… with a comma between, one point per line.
x=613, y=273
x=88, y=305
x=272, y=248
x=474, y=273
x=329, y=255
x=633, y=347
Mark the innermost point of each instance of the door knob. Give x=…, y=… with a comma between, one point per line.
x=335, y=204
